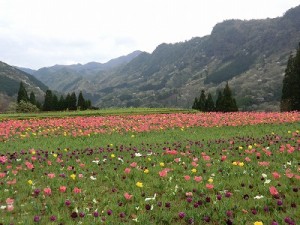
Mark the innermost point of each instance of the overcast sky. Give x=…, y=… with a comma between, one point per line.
x=39, y=33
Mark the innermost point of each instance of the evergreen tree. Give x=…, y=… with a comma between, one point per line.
x=229, y=104
x=48, y=103
x=290, y=99
x=73, y=101
x=55, y=103
x=81, y=102
x=195, y=104
x=209, y=104
x=68, y=101
x=32, y=99
x=88, y=104
x=235, y=107
x=38, y=105
x=219, y=102
x=22, y=94
x=62, y=103
x=201, y=102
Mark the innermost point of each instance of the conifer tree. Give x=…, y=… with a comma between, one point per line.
x=48, y=103
x=290, y=99
x=219, y=102
x=209, y=104
x=62, y=103
x=68, y=101
x=201, y=102
x=55, y=103
x=81, y=102
x=195, y=104
x=22, y=94
x=88, y=104
x=73, y=101
x=32, y=99
x=229, y=104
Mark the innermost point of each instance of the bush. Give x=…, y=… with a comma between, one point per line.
x=26, y=107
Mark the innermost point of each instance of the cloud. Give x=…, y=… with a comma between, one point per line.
x=37, y=33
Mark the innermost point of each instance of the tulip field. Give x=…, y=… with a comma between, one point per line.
x=151, y=168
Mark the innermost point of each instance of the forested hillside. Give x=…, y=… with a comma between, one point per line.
x=10, y=79
x=250, y=55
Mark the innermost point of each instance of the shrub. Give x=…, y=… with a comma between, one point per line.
x=26, y=107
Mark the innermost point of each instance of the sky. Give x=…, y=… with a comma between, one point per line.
x=42, y=33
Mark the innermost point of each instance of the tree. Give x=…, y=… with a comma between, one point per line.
x=229, y=103
x=62, y=103
x=195, y=104
x=81, y=103
x=290, y=99
x=199, y=103
x=202, y=100
x=88, y=104
x=209, y=104
x=73, y=101
x=55, y=103
x=219, y=102
x=22, y=94
x=48, y=103
x=32, y=99
x=68, y=101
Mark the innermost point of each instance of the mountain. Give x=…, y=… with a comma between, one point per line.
x=10, y=78
x=249, y=54
x=64, y=78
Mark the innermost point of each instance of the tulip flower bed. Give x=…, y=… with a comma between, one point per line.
x=202, y=168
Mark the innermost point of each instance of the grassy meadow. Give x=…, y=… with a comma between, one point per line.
x=150, y=166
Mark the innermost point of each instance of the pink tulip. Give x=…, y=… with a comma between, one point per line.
x=2, y=175
x=187, y=177
x=9, y=201
x=288, y=173
x=276, y=175
x=29, y=165
x=76, y=190
x=198, y=178
x=62, y=189
x=10, y=208
x=206, y=157
x=209, y=186
x=189, y=194
x=3, y=159
x=163, y=173
x=247, y=159
x=223, y=157
x=128, y=196
x=273, y=191
x=134, y=164
x=177, y=160
x=171, y=152
x=47, y=191
x=51, y=175
x=127, y=170
x=194, y=164
x=11, y=182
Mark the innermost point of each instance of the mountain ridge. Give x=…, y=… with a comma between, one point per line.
x=249, y=54
x=174, y=74
x=59, y=77
x=10, y=78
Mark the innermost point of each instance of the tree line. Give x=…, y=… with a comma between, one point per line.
x=290, y=99
x=224, y=103
x=28, y=103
